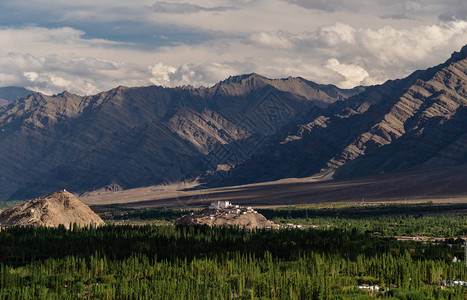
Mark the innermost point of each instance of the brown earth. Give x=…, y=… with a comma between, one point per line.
x=52, y=210
x=444, y=185
x=213, y=217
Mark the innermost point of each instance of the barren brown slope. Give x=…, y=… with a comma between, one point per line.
x=51, y=210
x=446, y=185
x=426, y=101
x=138, y=136
x=433, y=133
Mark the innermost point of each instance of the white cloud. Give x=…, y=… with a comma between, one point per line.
x=273, y=39
x=353, y=75
x=78, y=75
x=161, y=74
x=51, y=60
x=31, y=76
x=367, y=55
x=204, y=74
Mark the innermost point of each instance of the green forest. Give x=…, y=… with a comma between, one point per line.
x=173, y=262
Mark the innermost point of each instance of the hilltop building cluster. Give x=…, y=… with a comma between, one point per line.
x=227, y=207
x=224, y=213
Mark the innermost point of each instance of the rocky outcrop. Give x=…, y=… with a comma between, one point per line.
x=212, y=217
x=113, y=187
x=59, y=208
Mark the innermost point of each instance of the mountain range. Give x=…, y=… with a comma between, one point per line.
x=418, y=122
x=244, y=129
x=142, y=136
x=12, y=93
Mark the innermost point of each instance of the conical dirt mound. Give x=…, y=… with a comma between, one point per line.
x=51, y=210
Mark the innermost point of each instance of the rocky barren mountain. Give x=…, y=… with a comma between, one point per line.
x=244, y=129
x=59, y=208
x=142, y=136
x=418, y=122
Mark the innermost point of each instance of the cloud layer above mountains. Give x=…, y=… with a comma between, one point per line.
x=89, y=46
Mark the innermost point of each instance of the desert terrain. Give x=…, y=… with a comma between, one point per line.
x=444, y=185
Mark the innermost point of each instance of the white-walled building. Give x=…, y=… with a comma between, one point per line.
x=220, y=204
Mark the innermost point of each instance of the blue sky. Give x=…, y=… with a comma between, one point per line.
x=90, y=46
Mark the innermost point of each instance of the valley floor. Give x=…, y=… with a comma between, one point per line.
x=439, y=186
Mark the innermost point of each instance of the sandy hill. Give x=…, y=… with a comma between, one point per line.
x=212, y=217
x=52, y=210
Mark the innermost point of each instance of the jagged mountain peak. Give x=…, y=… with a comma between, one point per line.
x=243, y=78
x=304, y=89
x=39, y=110
x=457, y=56
x=63, y=94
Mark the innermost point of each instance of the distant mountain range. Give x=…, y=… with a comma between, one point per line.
x=244, y=129
x=12, y=93
x=142, y=136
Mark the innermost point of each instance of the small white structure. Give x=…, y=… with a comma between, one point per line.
x=367, y=287
x=220, y=204
x=453, y=283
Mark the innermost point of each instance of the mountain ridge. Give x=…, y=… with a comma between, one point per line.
x=364, y=123
x=245, y=129
x=135, y=136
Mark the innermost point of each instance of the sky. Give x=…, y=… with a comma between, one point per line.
x=87, y=46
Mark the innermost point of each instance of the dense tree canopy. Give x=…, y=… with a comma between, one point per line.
x=169, y=262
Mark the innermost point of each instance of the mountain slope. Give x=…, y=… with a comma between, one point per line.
x=434, y=133
x=142, y=136
x=415, y=122
x=12, y=93
x=441, y=143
